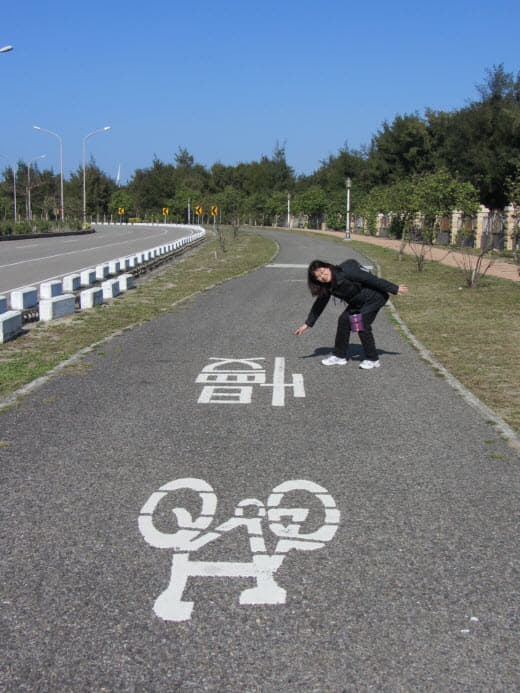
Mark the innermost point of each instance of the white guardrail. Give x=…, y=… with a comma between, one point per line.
x=82, y=290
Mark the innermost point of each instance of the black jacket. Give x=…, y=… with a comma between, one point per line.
x=359, y=288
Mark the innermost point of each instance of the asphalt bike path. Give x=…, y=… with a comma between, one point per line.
x=199, y=505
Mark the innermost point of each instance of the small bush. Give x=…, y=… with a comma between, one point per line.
x=73, y=225
x=23, y=227
x=42, y=226
x=6, y=228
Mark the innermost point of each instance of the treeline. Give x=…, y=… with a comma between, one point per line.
x=432, y=163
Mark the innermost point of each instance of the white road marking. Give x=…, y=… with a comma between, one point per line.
x=224, y=383
x=280, y=265
x=69, y=252
x=284, y=522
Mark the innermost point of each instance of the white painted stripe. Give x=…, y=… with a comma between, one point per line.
x=282, y=266
x=299, y=389
x=278, y=382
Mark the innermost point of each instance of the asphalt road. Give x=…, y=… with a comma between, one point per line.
x=377, y=547
x=26, y=262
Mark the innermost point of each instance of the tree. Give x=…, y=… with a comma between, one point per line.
x=312, y=203
x=334, y=171
x=437, y=195
x=151, y=188
x=45, y=199
x=7, y=194
x=234, y=204
x=183, y=158
x=278, y=208
x=337, y=211
x=120, y=199
x=184, y=197
x=481, y=142
x=399, y=150
x=99, y=188
x=415, y=204
x=221, y=177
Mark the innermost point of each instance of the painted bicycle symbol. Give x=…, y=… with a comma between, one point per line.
x=284, y=522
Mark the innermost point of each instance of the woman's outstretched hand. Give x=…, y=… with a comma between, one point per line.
x=301, y=329
x=402, y=290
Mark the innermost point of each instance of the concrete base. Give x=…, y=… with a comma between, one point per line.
x=110, y=288
x=126, y=281
x=10, y=325
x=101, y=272
x=71, y=282
x=114, y=267
x=52, y=308
x=88, y=277
x=91, y=297
x=22, y=299
x=51, y=289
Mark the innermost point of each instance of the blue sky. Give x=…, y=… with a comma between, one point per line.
x=227, y=80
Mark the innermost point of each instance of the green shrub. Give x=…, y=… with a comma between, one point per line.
x=23, y=227
x=6, y=228
x=75, y=224
x=42, y=226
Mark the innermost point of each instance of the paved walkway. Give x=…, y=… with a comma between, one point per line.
x=399, y=565
x=498, y=268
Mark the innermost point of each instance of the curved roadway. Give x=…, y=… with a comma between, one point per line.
x=32, y=261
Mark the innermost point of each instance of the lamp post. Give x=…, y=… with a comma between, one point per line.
x=288, y=210
x=347, y=225
x=29, y=213
x=14, y=183
x=37, y=127
x=107, y=127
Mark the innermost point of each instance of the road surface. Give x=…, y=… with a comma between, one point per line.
x=200, y=505
x=32, y=261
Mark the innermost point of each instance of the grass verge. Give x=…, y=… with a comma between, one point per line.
x=473, y=333
x=44, y=346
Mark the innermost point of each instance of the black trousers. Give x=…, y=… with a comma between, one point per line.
x=366, y=336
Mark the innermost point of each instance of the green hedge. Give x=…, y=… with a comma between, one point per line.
x=9, y=228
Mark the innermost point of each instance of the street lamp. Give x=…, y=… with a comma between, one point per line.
x=107, y=127
x=347, y=225
x=14, y=184
x=29, y=213
x=37, y=127
x=288, y=210
x=6, y=49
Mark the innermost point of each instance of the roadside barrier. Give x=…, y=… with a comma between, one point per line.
x=10, y=321
x=91, y=287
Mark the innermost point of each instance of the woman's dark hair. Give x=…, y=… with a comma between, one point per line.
x=317, y=288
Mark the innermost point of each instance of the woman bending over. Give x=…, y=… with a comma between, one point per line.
x=363, y=292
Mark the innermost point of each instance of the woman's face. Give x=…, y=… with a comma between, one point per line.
x=323, y=275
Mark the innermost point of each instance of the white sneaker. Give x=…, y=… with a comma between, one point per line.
x=369, y=364
x=334, y=361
